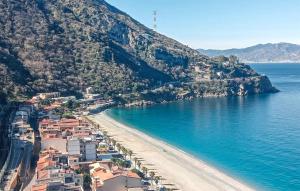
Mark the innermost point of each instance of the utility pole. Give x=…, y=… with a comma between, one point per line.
x=154, y=20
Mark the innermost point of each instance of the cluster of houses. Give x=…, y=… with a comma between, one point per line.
x=77, y=155
x=71, y=148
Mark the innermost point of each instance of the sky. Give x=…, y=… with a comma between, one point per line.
x=219, y=24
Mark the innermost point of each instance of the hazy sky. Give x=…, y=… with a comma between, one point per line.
x=219, y=24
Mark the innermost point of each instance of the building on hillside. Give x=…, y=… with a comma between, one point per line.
x=22, y=115
x=48, y=95
x=65, y=99
x=89, y=90
x=92, y=96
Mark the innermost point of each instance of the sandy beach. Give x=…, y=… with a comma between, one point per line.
x=177, y=167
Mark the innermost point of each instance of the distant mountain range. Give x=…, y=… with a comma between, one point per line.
x=264, y=53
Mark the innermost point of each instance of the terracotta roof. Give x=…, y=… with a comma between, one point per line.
x=39, y=187
x=132, y=175
x=43, y=174
x=102, y=175
x=43, y=165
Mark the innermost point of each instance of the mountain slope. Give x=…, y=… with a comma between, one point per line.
x=69, y=45
x=280, y=52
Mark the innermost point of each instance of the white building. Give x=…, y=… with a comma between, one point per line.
x=88, y=149
x=85, y=147
x=23, y=115
x=73, y=146
x=89, y=90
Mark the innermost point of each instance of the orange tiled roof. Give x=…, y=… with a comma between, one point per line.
x=43, y=165
x=39, y=187
x=45, y=159
x=102, y=174
x=43, y=174
x=132, y=175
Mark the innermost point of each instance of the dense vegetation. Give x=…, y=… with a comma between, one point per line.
x=69, y=45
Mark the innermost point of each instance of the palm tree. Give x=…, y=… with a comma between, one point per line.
x=124, y=151
x=130, y=153
x=114, y=161
x=87, y=181
x=135, y=161
x=139, y=164
x=119, y=147
x=156, y=179
x=105, y=133
x=108, y=140
x=152, y=174
x=114, y=142
x=145, y=170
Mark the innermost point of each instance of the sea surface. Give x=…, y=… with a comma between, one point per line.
x=255, y=138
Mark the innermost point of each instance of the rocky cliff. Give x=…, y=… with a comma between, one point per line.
x=69, y=45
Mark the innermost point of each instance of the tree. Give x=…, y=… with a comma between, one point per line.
x=87, y=181
x=124, y=151
x=156, y=179
x=139, y=164
x=71, y=104
x=135, y=161
x=145, y=170
x=105, y=134
x=114, y=142
x=3, y=98
x=68, y=116
x=152, y=174
x=46, y=102
x=122, y=164
x=119, y=147
x=130, y=153
x=114, y=161
x=108, y=140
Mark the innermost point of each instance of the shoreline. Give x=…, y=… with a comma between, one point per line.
x=177, y=166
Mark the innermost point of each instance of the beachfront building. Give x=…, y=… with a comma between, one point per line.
x=86, y=147
x=113, y=179
x=89, y=151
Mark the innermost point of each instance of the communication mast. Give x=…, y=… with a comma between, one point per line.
x=154, y=20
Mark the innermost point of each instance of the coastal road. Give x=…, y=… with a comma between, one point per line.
x=26, y=159
x=15, y=160
x=17, y=154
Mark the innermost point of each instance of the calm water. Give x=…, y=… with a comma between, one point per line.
x=255, y=138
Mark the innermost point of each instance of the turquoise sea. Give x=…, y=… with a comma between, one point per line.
x=253, y=138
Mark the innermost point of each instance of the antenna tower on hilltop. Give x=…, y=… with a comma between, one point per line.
x=154, y=20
